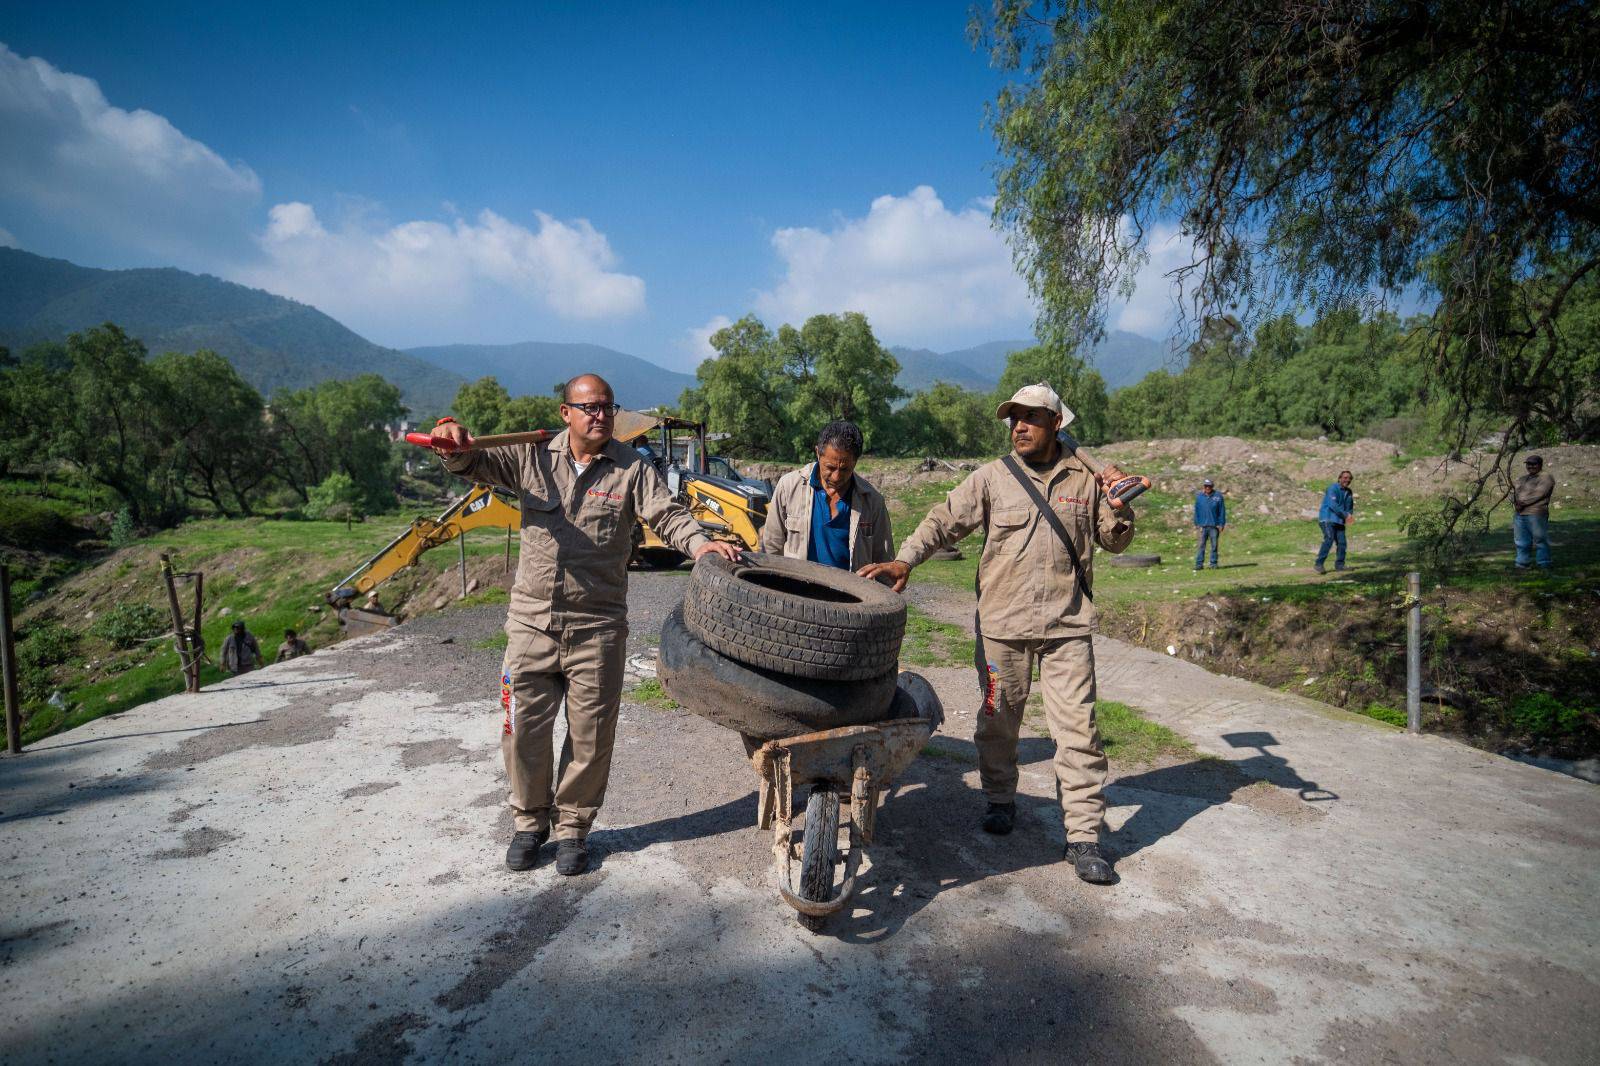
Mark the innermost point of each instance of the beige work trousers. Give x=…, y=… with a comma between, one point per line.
x=584, y=668
x=1066, y=677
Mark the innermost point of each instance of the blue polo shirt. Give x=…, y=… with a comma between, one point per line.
x=1210, y=510
x=830, y=533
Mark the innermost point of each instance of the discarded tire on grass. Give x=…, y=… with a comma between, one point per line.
x=762, y=704
x=795, y=617
x=1135, y=560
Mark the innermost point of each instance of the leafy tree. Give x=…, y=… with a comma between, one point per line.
x=947, y=420
x=485, y=407
x=337, y=497
x=1081, y=388
x=338, y=426
x=839, y=370
x=1312, y=154
x=744, y=390
x=112, y=419
x=217, y=421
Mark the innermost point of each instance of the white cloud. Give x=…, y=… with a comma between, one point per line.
x=697, y=341
x=103, y=172
x=1155, y=306
x=7, y=240
x=919, y=271
x=361, y=269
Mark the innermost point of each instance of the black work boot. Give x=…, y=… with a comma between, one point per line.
x=572, y=857
x=1090, y=864
x=523, y=854
x=999, y=818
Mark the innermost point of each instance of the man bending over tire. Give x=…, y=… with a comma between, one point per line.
x=825, y=513
x=1035, y=605
x=567, y=626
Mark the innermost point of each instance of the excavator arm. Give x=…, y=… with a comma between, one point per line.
x=480, y=508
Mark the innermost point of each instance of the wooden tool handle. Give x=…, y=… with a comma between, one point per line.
x=498, y=440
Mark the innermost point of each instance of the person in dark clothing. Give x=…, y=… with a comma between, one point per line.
x=292, y=647
x=1210, y=517
x=1337, y=511
x=240, y=652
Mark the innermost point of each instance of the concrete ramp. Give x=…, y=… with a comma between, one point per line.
x=305, y=864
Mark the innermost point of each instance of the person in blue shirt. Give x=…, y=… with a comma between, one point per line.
x=1210, y=516
x=826, y=512
x=1338, y=505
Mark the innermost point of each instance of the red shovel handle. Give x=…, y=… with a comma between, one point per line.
x=427, y=440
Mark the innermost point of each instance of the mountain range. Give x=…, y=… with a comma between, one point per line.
x=277, y=343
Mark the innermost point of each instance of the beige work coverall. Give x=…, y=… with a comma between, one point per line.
x=788, y=527
x=1031, y=608
x=567, y=626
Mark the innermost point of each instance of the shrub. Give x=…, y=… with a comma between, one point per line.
x=336, y=498
x=123, y=531
x=45, y=645
x=1392, y=715
x=1541, y=714
x=128, y=624
x=30, y=523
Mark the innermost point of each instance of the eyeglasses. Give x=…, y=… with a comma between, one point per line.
x=595, y=410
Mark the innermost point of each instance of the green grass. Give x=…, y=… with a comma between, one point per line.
x=1382, y=713
x=497, y=641
x=930, y=642
x=1128, y=738
x=649, y=693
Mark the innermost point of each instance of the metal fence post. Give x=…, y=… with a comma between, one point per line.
x=1413, y=652
x=462, y=542
x=8, y=666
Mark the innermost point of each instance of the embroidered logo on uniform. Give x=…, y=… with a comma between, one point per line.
x=990, y=689
x=614, y=497
x=1071, y=499
x=508, y=703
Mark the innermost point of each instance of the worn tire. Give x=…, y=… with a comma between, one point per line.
x=761, y=704
x=795, y=617
x=1135, y=560
x=820, y=850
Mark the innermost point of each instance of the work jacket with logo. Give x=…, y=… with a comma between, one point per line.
x=1028, y=588
x=788, y=527
x=577, y=529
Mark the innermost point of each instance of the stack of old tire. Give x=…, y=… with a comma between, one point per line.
x=774, y=647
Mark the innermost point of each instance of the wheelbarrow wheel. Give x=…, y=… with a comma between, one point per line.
x=820, y=853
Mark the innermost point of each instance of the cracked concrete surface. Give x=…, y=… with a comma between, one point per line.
x=305, y=864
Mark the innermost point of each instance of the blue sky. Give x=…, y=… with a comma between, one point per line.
x=631, y=175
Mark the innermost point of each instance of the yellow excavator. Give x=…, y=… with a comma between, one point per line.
x=727, y=506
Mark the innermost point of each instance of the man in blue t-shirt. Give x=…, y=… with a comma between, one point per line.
x=1210, y=516
x=1338, y=505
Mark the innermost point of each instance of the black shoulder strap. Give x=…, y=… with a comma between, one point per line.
x=1049, y=514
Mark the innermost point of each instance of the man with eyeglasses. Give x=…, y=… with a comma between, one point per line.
x=567, y=625
x=1042, y=514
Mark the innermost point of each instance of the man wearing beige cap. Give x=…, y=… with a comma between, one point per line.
x=1042, y=513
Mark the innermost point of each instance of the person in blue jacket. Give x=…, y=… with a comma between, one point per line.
x=1338, y=505
x=1210, y=516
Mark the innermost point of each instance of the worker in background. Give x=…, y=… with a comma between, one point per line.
x=1337, y=511
x=825, y=513
x=1210, y=517
x=291, y=648
x=1035, y=607
x=240, y=652
x=566, y=629
x=1530, y=524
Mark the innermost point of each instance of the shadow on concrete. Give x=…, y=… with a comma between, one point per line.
x=1198, y=786
x=148, y=733
x=243, y=685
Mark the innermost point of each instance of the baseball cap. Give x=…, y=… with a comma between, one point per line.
x=1040, y=395
x=1208, y=481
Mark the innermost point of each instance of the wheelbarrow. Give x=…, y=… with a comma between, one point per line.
x=844, y=772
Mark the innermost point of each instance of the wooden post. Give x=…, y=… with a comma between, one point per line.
x=197, y=642
x=461, y=542
x=1414, y=652
x=508, y=550
x=180, y=636
x=8, y=667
